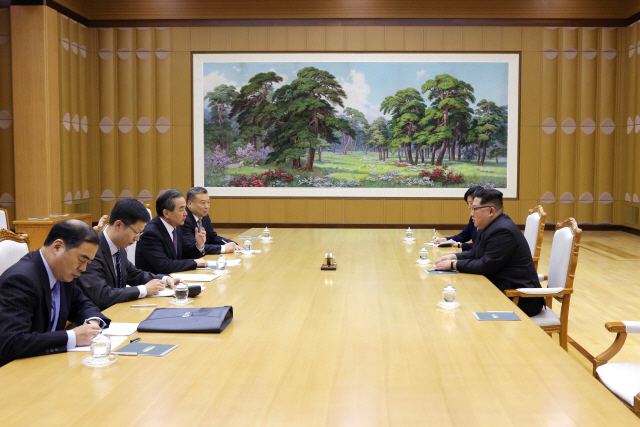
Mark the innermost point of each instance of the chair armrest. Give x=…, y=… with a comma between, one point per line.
x=537, y=292
x=621, y=329
x=542, y=277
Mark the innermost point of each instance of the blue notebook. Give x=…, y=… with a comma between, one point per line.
x=496, y=315
x=145, y=349
x=441, y=271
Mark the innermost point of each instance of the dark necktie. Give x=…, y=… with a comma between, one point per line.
x=118, y=271
x=199, y=225
x=175, y=241
x=55, y=306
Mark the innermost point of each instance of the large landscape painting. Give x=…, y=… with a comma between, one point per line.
x=355, y=125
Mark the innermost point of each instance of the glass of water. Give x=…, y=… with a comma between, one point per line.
x=449, y=295
x=266, y=233
x=181, y=293
x=221, y=263
x=246, y=246
x=100, y=348
x=409, y=233
x=424, y=254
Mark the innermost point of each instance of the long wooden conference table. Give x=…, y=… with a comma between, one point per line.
x=364, y=345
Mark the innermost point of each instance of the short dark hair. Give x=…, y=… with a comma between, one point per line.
x=73, y=233
x=490, y=195
x=167, y=201
x=193, y=191
x=471, y=191
x=128, y=211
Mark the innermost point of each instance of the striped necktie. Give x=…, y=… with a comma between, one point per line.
x=55, y=306
x=118, y=271
x=175, y=241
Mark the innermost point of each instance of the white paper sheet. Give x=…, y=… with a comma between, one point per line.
x=116, y=341
x=195, y=277
x=253, y=251
x=116, y=328
x=165, y=293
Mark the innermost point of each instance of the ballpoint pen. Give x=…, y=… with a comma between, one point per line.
x=144, y=305
x=135, y=339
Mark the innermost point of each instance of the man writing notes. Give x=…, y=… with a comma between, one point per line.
x=469, y=232
x=39, y=294
x=106, y=279
x=501, y=253
x=198, y=220
x=160, y=247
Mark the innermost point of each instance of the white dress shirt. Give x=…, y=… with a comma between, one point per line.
x=114, y=250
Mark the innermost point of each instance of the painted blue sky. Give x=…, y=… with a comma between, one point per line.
x=368, y=83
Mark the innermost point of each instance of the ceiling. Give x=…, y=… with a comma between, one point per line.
x=520, y=10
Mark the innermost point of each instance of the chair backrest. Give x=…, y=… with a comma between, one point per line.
x=131, y=253
x=564, y=254
x=102, y=223
x=534, y=232
x=4, y=218
x=12, y=248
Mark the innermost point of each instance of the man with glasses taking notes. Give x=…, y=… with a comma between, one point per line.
x=501, y=253
x=469, y=232
x=111, y=278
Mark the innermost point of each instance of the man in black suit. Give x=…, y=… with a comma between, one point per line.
x=39, y=294
x=106, y=279
x=197, y=220
x=501, y=253
x=160, y=247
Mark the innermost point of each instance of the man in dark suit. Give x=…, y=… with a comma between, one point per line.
x=39, y=294
x=197, y=220
x=470, y=232
x=106, y=279
x=160, y=247
x=501, y=253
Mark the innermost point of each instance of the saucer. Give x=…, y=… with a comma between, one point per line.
x=99, y=363
x=175, y=302
x=266, y=238
x=419, y=261
x=409, y=239
x=448, y=305
x=222, y=272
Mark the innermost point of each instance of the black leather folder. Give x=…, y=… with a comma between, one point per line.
x=205, y=320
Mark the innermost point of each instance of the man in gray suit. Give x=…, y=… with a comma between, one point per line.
x=106, y=279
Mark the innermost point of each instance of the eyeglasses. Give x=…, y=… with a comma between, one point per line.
x=475, y=208
x=138, y=233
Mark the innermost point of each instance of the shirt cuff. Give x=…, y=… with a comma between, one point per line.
x=222, y=249
x=143, y=291
x=201, y=250
x=164, y=279
x=71, y=340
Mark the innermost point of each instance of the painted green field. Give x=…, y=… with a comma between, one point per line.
x=366, y=171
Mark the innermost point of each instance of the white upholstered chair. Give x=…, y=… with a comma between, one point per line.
x=534, y=232
x=623, y=379
x=12, y=248
x=562, y=269
x=131, y=250
x=4, y=218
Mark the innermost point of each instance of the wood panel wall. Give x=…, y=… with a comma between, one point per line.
x=7, y=181
x=134, y=87
x=629, y=101
x=568, y=135
x=36, y=126
x=384, y=9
